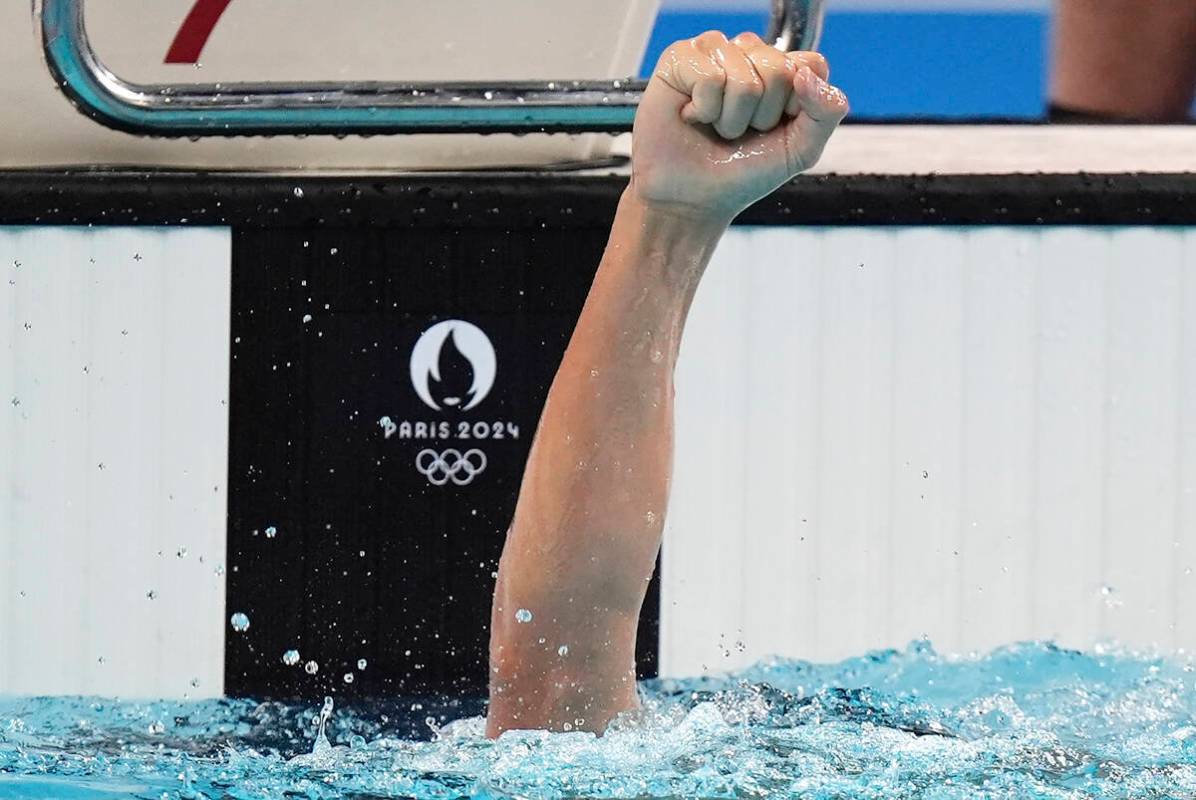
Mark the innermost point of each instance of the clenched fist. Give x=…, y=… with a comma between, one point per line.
x=724, y=122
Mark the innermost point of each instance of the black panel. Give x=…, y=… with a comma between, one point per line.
x=309, y=456
x=502, y=200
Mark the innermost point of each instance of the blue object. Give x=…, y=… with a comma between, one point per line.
x=952, y=65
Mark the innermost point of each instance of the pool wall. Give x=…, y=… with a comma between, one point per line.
x=882, y=371
x=978, y=435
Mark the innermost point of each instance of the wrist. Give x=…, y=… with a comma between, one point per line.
x=672, y=225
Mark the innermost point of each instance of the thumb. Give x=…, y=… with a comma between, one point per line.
x=817, y=108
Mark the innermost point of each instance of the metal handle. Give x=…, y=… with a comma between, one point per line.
x=338, y=109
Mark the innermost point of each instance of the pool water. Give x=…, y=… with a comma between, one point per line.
x=1026, y=721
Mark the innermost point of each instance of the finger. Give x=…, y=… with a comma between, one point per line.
x=777, y=71
x=822, y=108
x=748, y=40
x=815, y=61
x=741, y=92
x=692, y=69
x=817, y=64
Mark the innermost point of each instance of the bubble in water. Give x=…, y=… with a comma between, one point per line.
x=290, y=658
x=563, y=650
x=311, y=668
x=156, y=728
x=523, y=616
x=240, y=622
x=271, y=532
x=348, y=677
x=361, y=663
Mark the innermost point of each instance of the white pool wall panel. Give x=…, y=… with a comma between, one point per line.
x=114, y=364
x=974, y=435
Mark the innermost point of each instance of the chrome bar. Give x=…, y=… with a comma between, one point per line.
x=339, y=109
x=796, y=25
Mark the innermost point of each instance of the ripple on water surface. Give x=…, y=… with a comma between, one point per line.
x=1028, y=721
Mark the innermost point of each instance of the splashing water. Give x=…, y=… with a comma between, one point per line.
x=1027, y=721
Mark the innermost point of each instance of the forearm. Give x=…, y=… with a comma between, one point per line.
x=591, y=509
x=593, y=499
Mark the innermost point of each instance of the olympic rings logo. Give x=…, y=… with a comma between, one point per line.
x=451, y=465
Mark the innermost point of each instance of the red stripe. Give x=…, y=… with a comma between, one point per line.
x=196, y=29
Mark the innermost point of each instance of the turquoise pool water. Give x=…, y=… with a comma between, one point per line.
x=1027, y=721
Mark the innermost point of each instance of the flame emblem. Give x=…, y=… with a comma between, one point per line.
x=453, y=365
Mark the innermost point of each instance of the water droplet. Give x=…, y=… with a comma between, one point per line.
x=361, y=663
x=523, y=616
x=271, y=532
x=151, y=595
x=348, y=677
x=563, y=650
x=333, y=251
x=156, y=729
x=290, y=658
x=195, y=683
x=488, y=95
x=306, y=318
x=311, y=668
x=181, y=553
x=219, y=569
x=240, y=622
x=925, y=474
x=298, y=191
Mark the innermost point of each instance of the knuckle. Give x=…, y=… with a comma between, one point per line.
x=772, y=65
x=710, y=39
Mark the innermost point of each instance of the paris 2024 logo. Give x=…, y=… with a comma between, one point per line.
x=453, y=367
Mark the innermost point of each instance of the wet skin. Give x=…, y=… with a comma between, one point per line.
x=722, y=123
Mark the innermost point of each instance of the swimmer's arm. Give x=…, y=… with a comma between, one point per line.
x=588, y=526
x=722, y=123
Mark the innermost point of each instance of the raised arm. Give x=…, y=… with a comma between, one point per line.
x=722, y=124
